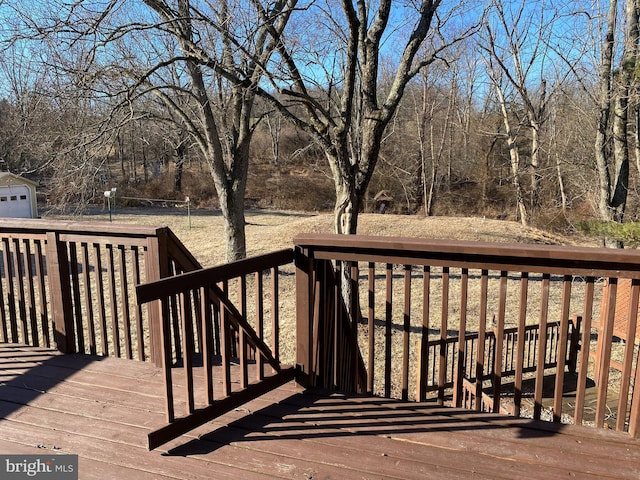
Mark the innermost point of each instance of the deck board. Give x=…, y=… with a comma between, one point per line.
x=102, y=409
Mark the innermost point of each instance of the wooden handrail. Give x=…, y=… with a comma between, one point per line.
x=553, y=259
x=42, y=226
x=201, y=300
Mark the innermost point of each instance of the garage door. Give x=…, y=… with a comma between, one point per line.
x=15, y=202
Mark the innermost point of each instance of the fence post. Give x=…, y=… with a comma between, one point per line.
x=157, y=267
x=60, y=288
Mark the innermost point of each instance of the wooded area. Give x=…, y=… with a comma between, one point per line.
x=506, y=109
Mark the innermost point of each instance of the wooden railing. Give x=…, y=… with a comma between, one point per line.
x=449, y=348
x=417, y=298
x=211, y=319
x=411, y=329
x=70, y=285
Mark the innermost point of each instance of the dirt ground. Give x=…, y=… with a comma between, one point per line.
x=269, y=230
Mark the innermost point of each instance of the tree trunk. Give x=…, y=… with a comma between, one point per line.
x=177, y=176
x=275, y=129
x=561, y=189
x=601, y=153
x=535, y=166
x=420, y=188
x=346, y=208
x=232, y=207
x=179, y=166
x=514, y=156
x=431, y=188
x=618, y=201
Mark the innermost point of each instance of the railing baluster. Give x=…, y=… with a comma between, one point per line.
x=42, y=294
x=242, y=341
x=102, y=314
x=606, y=331
x=225, y=344
x=584, y=350
x=113, y=305
x=388, y=329
x=186, y=326
x=124, y=302
x=31, y=291
x=561, y=348
x=499, y=335
x=522, y=320
x=20, y=300
x=259, y=305
x=206, y=316
x=197, y=324
x=482, y=328
x=444, y=325
x=627, y=363
x=371, y=325
x=452, y=348
x=135, y=272
x=406, y=330
x=462, y=331
x=88, y=298
x=177, y=341
x=167, y=359
x=275, y=316
x=77, y=302
x=354, y=349
x=423, y=370
x=11, y=296
x=333, y=341
x=542, y=345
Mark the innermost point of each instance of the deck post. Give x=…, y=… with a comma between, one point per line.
x=156, y=268
x=304, y=333
x=60, y=288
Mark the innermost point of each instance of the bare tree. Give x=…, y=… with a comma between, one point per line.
x=201, y=60
x=434, y=111
x=511, y=135
x=520, y=38
x=333, y=90
x=616, y=101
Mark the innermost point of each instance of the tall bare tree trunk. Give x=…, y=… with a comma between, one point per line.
x=514, y=156
x=620, y=185
x=601, y=153
x=613, y=166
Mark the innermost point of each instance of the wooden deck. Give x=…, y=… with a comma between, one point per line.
x=102, y=409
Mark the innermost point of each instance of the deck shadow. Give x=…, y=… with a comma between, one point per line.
x=309, y=416
x=26, y=374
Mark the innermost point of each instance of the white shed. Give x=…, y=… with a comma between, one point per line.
x=17, y=196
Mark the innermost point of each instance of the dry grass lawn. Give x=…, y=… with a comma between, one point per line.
x=270, y=230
